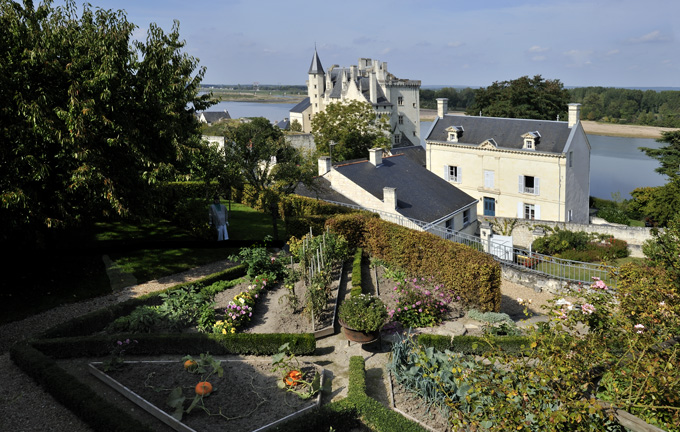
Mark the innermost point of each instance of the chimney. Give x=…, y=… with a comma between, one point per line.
x=390, y=198
x=324, y=165
x=375, y=156
x=373, y=88
x=442, y=107
x=574, y=114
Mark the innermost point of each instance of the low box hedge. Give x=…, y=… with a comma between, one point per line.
x=181, y=344
x=356, y=273
x=475, y=345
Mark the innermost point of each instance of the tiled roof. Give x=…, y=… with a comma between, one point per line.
x=506, y=132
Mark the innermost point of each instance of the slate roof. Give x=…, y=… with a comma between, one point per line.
x=283, y=124
x=421, y=194
x=215, y=116
x=315, y=67
x=416, y=153
x=302, y=106
x=506, y=132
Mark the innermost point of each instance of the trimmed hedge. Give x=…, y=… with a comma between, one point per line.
x=99, y=319
x=473, y=275
x=475, y=345
x=356, y=273
x=97, y=412
x=184, y=343
x=343, y=415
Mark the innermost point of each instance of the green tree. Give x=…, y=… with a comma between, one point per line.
x=668, y=155
x=266, y=163
x=90, y=119
x=353, y=126
x=529, y=98
x=664, y=249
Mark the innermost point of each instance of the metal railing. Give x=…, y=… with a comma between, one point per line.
x=545, y=265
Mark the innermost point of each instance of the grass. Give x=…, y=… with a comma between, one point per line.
x=72, y=269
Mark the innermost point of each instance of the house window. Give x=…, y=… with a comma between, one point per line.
x=397, y=138
x=529, y=144
x=400, y=100
x=453, y=173
x=571, y=159
x=488, y=179
x=314, y=85
x=529, y=185
x=449, y=228
x=453, y=136
x=414, y=133
x=570, y=215
x=401, y=119
x=466, y=218
x=414, y=104
x=489, y=206
x=529, y=211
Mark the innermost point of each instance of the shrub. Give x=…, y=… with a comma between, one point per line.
x=419, y=305
x=356, y=272
x=614, y=215
x=260, y=262
x=561, y=240
x=363, y=313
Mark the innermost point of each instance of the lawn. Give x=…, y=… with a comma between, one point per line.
x=72, y=268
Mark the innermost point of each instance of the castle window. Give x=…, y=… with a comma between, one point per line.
x=397, y=138
x=400, y=100
x=401, y=119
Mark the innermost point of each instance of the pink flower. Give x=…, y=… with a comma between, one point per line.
x=420, y=310
x=587, y=309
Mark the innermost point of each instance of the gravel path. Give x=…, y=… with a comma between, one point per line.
x=18, y=391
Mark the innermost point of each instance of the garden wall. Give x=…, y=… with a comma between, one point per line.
x=523, y=232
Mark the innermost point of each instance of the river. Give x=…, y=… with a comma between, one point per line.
x=616, y=164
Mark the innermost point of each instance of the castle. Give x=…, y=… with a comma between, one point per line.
x=368, y=81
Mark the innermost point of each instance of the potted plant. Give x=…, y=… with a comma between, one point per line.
x=361, y=317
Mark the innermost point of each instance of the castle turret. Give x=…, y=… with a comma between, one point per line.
x=316, y=84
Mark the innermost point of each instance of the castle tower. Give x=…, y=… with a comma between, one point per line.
x=316, y=84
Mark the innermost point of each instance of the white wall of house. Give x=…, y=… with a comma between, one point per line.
x=523, y=184
x=464, y=221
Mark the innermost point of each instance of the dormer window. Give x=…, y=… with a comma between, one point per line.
x=531, y=139
x=454, y=133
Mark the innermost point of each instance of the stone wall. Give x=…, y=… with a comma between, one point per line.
x=301, y=141
x=524, y=231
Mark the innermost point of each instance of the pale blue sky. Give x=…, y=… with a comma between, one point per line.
x=613, y=43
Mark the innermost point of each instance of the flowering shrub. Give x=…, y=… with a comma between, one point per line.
x=239, y=311
x=419, y=304
x=260, y=261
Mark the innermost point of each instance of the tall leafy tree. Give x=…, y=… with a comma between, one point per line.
x=529, y=98
x=266, y=162
x=668, y=155
x=90, y=118
x=354, y=127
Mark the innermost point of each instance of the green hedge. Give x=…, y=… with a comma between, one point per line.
x=184, y=343
x=99, y=319
x=98, y=413
x=356, y=272
x=473, y=275
x=343, y=415
x=475, y=345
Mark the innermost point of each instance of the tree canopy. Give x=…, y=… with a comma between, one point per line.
x=90, y=117
x=668, y=155
x=353, y=126
x=259, y=155
x=528, y=98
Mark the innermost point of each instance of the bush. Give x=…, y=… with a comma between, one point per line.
x=419, y=305
x=614, y=215
x=561, y=240
x=356, y=272
x=363, y=313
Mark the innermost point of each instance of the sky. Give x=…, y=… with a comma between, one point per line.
x=610, y=43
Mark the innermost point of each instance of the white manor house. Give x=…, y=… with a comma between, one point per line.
x=368, y=81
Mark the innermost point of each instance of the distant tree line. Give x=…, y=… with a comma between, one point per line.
x=605, y=104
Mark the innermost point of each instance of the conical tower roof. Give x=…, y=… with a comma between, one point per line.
x=315, y=67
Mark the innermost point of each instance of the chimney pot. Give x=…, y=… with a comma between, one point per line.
x=574, y=114
x=375, y=156
x=324, y=165
x=442, y=107
x=390, y=198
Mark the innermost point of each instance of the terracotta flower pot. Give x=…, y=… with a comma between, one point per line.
x=359, y=336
